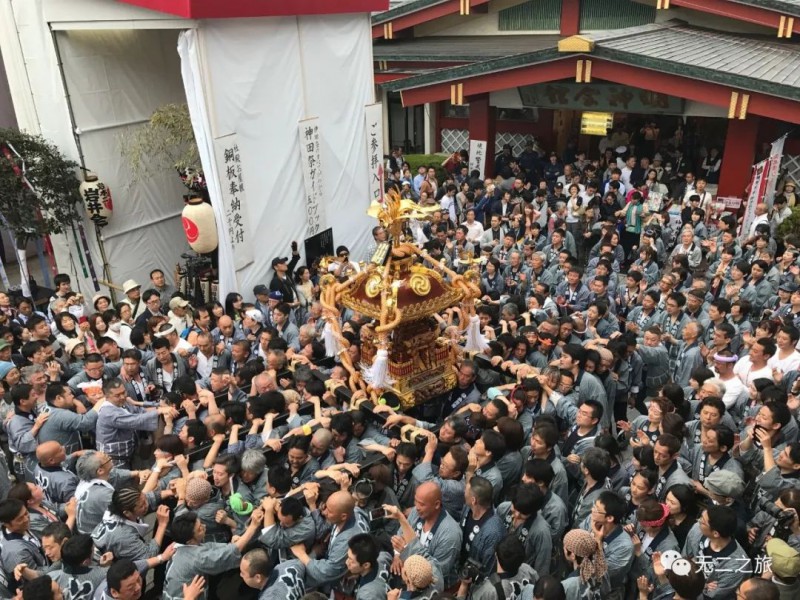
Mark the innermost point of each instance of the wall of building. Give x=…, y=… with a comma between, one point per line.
x=40, y=100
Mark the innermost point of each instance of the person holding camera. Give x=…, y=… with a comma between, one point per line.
x=511, y=579
x=776, y=520
x=481, y=528
x=364, y=565
x=429, y=531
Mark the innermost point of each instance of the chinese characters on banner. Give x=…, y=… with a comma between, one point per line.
x=477, y=157
x=312, y=175
x=373, y=119
x=229, y=166
x=758, y=184
x=775, y=157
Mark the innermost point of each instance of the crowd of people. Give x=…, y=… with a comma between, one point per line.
x=161, y=448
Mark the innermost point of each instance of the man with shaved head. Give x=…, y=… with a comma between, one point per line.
x=51, y=474
x=225, y=334
x=326, y=570
x=428, y=531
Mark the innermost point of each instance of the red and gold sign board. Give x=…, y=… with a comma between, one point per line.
x=234, y=9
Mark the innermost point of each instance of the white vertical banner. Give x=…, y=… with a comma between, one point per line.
x=231, y=180
x=373, y=119
x=757, y=185
x=311, y=164
x=477, y=157
x=775, y=157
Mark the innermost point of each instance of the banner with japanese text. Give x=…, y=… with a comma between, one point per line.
x=775, y=157
x=373, y=119
x=229, y=167
x=758, y=184
x=311, y=163
x=477, y=157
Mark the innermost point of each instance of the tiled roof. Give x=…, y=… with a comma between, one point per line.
x=751, y=63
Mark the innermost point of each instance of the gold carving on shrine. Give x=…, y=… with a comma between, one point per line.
x=373, y=285
x=405, y=352
x=420, y=285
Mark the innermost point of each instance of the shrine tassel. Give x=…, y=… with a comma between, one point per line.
x=378, y=374
x=331, y=347
x=475, y=340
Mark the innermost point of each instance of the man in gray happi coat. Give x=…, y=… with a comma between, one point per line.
x=428, y=531
x=326, y=570
x=65, y=423
x=193, y=555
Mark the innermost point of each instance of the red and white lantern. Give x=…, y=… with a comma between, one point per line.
x=200, y=226
x=96, y=197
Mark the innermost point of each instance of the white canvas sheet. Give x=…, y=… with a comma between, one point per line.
x=258, y=78
x=116, y=79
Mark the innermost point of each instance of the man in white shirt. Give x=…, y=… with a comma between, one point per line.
x=724, y=365
x=177, y=344
x=754, y=365
x=761, y=217
x=448, y=203
x=627, y=170
x=474, y=228
x=787, y=358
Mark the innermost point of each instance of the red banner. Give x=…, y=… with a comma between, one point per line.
x=214, y=9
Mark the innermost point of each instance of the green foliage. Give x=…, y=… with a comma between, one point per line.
x=166, y=142
x=52, y=176
x=430, y=160
x=791, y=224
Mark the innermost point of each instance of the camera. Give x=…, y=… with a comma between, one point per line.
x=756, y=441
x=781, y=528
x=378, y=513
x=410, y=433
x=471, y=570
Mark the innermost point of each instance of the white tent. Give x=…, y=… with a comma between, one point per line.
x=250, y=80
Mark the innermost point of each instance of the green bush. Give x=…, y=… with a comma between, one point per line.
x=790, y=225
x=434, y=160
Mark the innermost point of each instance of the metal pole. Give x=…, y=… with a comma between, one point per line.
x=106, y=268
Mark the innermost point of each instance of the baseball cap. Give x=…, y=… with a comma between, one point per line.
x=276, y=295
x=130, y=285
x=278, y=260
x=6, y=367
x=260, y=290
x=178, y=302
x=255, y=315
x=785, y=559
x=724, y=483
x=4, y=344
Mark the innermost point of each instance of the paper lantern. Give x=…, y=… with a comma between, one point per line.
x=200, y=226
x=96, y=197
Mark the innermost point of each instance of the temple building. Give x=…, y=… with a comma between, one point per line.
x=506, y=71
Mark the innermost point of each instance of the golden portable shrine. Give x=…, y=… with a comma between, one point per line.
x=401, y=289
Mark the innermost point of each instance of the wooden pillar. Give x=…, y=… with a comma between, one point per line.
x=570, y=17
x=483, y=126
x=738, y=156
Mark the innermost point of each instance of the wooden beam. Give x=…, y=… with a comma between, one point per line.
x=501, y=80
x=570, y=17
x=430, y=13
x=602, y=69
x=743, y=12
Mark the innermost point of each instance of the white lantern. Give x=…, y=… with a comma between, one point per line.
x=96, y=197
x=199, y=225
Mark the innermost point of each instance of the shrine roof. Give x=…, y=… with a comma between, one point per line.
x=461, y=49
x=750, y=63
x=790, y=7
x=403, y=8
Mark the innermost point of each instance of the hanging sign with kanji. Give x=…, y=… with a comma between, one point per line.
x=229, y=168
x=311, y=164
x=373, y=120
